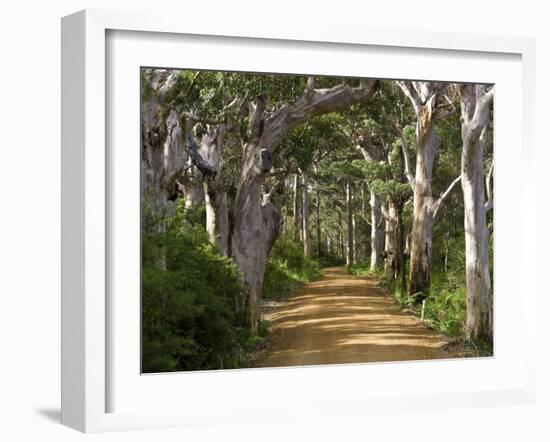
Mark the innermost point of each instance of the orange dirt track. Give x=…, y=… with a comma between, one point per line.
x=345, y=319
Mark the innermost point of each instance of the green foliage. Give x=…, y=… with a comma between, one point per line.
x=363, y=269
x=189, y=297
x=288, y=268
x=445, y=308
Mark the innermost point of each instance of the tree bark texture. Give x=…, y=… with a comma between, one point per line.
x=377, y=234
x=392, y=249
x=163, y=155
x=306, y=235
x=297, y=209
x=423, y=97
x=349, y=213
x=475, y=108
x=318, y=222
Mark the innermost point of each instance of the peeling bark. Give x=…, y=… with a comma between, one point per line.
x=475, y=108
x=208, y=160
x=424, y=99
x=163, y=155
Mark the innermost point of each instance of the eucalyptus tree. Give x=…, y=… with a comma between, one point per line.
x=475, y=110
x=431, y=102
x=374, y=156
x=375, y=132
x=163, y=156
x=260, y=110
x=256, y=221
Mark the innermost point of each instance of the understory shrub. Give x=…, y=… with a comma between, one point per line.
x=287, y=268
x=444, y=308
x=189, y=298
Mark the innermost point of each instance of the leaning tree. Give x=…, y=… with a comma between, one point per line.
x=256, y=220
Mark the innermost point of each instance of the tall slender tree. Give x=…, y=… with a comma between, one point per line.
x=475, y=108
x=426, y=99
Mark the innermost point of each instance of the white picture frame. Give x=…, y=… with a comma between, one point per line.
x=86, y=356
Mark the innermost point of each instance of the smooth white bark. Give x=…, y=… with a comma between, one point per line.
x=305, y=218
x=475, y=107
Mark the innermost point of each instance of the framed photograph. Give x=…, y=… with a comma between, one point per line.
x=273, y=223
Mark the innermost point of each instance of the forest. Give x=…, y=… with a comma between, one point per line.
x=356, y=194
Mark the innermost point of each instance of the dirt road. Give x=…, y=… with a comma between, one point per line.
x=342, y=319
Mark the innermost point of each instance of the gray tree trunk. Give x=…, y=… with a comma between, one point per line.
x=163, y=155
x=305, y=217
x=424, y=98
x=296, y=211
x=318, y=221
x=475, y=107
x=391, y=217
x=423, y=215
x=349, y=211
x=215, y=196
x=377, y=235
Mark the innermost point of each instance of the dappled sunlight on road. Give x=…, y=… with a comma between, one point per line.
x=343, y=318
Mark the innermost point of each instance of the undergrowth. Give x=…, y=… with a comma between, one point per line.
x=287, y=269
x=443, y=310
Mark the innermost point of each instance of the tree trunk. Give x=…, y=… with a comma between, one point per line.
x=305, y=216
x=256, y=228
x=423, y=210
x=217, y=218
x=423, y=96
x=392, y=241
x=207, y=159
x=318, y=221
x=349, y=210
x=194, y=193
x=296, y=211
x=376, y=236
x=402, y=252
x=475, y=120
x=355, y=250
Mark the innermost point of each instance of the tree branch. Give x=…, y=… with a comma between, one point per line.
x=198, y=119
x=408, y=172
x=200, y=163
x=310, y=87
x=410, y=91
x=450, y=109
x=444, y=195
x=256, y=117
x=319, y=102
